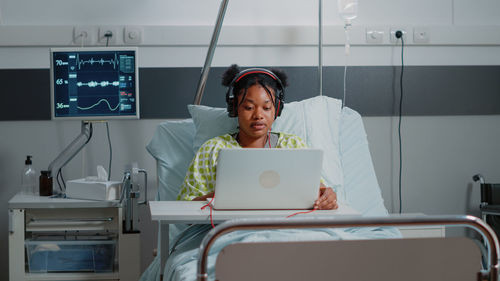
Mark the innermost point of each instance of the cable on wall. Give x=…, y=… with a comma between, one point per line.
x=110, y=152
x=399, y=35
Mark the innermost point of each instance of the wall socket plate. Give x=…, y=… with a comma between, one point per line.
x=105, y=29
x=132, y=35
x=84, y=35
x=392, y=35
x=374, y=36
x=421, y=35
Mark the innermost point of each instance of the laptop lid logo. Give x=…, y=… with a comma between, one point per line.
x=269, y=179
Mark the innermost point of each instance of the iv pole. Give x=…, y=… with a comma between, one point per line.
x=210, y=54
x=215, y=37
x=320, y=47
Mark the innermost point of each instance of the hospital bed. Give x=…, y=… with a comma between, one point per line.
x=323, y=123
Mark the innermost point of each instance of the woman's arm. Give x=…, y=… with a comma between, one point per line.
x=327, y=199
x=200, y=176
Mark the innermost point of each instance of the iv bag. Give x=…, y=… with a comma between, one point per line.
x=348, y=9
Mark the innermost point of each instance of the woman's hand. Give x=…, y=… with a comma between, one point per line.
x=204, y=197
x=327, y=199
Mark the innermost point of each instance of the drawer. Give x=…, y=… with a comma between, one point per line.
x=96, y=219
x=70, y=256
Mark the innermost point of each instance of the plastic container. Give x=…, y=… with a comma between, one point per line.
x=28, y=178
x=70, y=256
x=348, y=9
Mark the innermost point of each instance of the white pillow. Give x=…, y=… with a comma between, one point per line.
x=210, y=122
x=315, y=120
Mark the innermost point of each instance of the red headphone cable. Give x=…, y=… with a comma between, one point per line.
x=269, y=138
x=304, y=212
x=210, y=206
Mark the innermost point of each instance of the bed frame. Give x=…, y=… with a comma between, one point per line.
x=456, y=258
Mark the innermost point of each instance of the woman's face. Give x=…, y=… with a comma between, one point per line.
x=256, y=112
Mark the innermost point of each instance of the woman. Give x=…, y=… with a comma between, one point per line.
x=255, y=97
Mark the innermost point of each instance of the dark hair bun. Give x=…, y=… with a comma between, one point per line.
x=282, y=76
x=229, y=74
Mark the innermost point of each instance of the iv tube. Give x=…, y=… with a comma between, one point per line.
x=348, y=10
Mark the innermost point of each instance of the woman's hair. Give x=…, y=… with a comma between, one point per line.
x=253, y=79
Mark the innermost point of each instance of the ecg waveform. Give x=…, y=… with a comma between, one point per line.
x=115, y=62
x=96, y=104
x=93, y=84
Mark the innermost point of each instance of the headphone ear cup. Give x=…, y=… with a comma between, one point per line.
x=280, y=104
x=231, y=109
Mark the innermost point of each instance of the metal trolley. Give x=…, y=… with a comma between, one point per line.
x=490, y=202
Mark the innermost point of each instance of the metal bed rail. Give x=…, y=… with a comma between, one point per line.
x=490, y=272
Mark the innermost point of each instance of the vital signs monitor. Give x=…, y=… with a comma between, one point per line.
x=94, y=83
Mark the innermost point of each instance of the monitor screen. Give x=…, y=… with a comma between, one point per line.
x=94, y=83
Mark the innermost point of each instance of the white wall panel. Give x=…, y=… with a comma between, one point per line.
x=477, y=12
x=27, y=57
x=395, y=12
x=203, y=12
x=169, y=12
x=56, y=12
x=440, y=155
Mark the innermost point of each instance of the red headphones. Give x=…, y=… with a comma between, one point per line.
x=232, y=106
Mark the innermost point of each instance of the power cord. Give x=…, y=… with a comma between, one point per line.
x=399, y=35
x=108, y=35
x=60, y=175
x=110, y=152
x=90, y=133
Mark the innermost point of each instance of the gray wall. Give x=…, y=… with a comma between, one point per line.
x=447, y=90
x=451, y=84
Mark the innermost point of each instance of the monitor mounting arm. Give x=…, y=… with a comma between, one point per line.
x=72, y=149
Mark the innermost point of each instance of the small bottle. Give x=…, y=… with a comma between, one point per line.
x=28, y=179
x=45, y=183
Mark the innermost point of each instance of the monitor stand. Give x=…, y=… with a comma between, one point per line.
x=71, y=150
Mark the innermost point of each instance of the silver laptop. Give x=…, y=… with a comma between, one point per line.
x=256, y=178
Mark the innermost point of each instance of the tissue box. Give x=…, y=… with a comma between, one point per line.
x=93, y=190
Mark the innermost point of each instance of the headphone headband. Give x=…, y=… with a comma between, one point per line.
x=253, y=71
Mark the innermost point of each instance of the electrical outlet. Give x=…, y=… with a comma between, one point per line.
x=374, y=36
x=392, y=35
x=103, y=30
x=421, y=35
x=84, y=35
x=132, y=35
